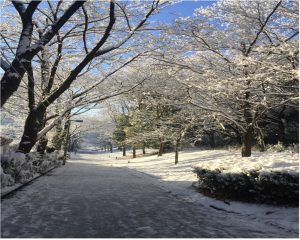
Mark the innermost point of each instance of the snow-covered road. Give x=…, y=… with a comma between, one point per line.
x=85, y=199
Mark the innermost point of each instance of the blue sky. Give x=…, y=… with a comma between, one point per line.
x=182, y=9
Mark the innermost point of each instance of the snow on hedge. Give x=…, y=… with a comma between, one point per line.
x=264, y=163
x=264, y=178
x=19, y=168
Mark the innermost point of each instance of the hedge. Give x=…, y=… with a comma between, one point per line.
x=19, y=168
x=276, y=188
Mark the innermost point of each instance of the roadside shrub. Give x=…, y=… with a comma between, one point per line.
x=19, y=167
x=250, y=186
x=6, y=179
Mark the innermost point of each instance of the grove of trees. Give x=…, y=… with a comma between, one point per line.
x=228, y=72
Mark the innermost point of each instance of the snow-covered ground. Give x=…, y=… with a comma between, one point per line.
x=263, y=163
x=178, y=179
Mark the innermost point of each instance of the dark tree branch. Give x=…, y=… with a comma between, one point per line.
x=141, y=23
x=86, y=22
x=55, y=27
x=55, y=65
x=20, y=7
x=51, y=117
x=24, y=12
x=126, y=17
x=74, y=73
x=262, y=28
x=209, y=47
x=291, y=37
x=32, y=6
x=31, y=95
x=4, y=65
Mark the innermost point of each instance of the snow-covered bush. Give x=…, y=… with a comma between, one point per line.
x=42, y=162
x=6, y=179
x=8, y=149
x=19, y=167
x=5, y=141
x=54, y=157
x=50, y=160
x=254, y=180
x=35, y=159
x=279, y=147
x=279, y=187
x=4, y=144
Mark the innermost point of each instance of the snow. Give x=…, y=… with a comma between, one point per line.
x=178, y=179
x=19, y=168
x=262, y=162
x=6, y=179
x=81, y=200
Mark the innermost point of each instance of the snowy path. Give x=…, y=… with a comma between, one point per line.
x=89, y=200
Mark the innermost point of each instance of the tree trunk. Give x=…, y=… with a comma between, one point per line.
x=212, y=140
x=57, y=140
x=33, y=124
x=124, y=150
x=42, y=145
x=260, y=140
x=161, y=149
x=248, y=135
x=13, y=75
x=58, y=137
x=67, y=139
x=63, y=136
x=133, y=152
x=110, y=148
x=281, y=133
x=144, y=150
x=247, y=142
x=177, y=142
x=11, y=80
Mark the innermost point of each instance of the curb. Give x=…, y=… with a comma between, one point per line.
x=18, y=187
